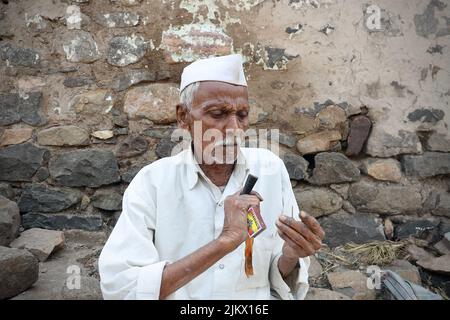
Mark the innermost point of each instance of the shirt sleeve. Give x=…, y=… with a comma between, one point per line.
x=129, y=264
x=295, y=286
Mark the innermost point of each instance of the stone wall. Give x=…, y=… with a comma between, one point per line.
x=88, y=89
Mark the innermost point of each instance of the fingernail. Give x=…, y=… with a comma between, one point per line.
x=283, y=218
x=302, y=214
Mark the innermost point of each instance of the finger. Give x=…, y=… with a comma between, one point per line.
x=304, y=231
x=296, y=237
x=250, y=200
x=298, y=251
x=312, y=224
x=258, y=195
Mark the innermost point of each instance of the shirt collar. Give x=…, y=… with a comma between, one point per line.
x=193, y=169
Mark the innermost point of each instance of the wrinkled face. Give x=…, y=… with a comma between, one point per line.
x=219, y=113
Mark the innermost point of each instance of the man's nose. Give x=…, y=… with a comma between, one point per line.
x=233, y=123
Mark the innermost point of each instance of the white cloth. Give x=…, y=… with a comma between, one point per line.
x=224, y=69
x=171, y=209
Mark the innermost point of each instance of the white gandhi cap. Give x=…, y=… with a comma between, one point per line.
x=224, y=69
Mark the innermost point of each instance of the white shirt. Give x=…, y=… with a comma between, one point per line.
x=171, y=209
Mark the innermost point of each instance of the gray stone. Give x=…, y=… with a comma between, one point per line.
x=324, y=294
x=61, y=222
x=405, y=270
x=132, y=172
x=40, y=242
x=74, y=82
x=41, y=198
x=296, y=166
x=384, y=145
x=315, y=268
x=415, y=227
x=107, y=200
x=159, y=133
x=20, y=162
x=17, y=56
x=125, y=50
x=426, y=23
x=385, y=199
x=439, y=265
x=284, y=139
x=133, y=77
x=89, y=290
x=344, y=228
x=427, y=165
x=19, y=270
x=79, y=46
x=91, y=168
x=442, y=205
x=7, y=191
x=333, y=167
x=42, y=174
x=9, y=221
x=351, y=283
x=63, y=136
x=426, y=115
x=117, y=19
x=164, y=148
x=132, y=146
x=26, y=108
x=438, y=142
x=318, y=201
x=75, y=19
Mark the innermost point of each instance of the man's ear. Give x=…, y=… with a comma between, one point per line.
x=183, y=117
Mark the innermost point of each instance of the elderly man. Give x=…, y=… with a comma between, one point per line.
x=183, y=233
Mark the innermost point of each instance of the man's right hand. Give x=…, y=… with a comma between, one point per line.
x=234, y=230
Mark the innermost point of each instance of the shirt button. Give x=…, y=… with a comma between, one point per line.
x=220, y=203
x=221, y=266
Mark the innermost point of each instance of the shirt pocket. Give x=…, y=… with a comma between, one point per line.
x=263, y=247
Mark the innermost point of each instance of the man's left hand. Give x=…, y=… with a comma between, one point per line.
x=301, y=238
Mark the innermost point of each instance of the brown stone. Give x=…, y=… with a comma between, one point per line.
x=318, y=142
x=439, y=265
x=351, y=283
x=318, y=201
x=359, y=132
x=93, y=102
x=443, y=247
x=383, y=169
x=15, y=136
x=315, y=268
x=418, y=253
x=103, y=134
x=193, y=41
x=388, y=229
x=405, y=270
x=324, y=294
x=156, y=102
x=63, y=136
x=40, y=242
x=332, y=117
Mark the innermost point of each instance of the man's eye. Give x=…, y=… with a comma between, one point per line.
x=217, y=114
x=242, y=114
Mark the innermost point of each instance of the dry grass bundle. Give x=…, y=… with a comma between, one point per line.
x=378, y=253
x=353, y=255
